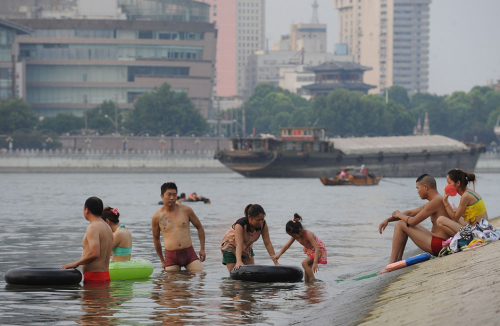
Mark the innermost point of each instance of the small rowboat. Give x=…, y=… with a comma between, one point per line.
x=353, y=179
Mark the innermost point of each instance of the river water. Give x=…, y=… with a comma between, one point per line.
x=43, y=225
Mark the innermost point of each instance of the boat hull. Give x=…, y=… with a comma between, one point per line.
x=393, y=165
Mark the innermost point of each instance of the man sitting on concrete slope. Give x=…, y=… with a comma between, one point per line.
x=408, y=222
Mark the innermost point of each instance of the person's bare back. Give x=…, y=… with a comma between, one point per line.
x=100, y=230
x=97, y=245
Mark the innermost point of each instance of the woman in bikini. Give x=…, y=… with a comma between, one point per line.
x=122, y=238
x=237, y=243
x=471, y=205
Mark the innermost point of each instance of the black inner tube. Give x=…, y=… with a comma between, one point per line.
x=268, y=274
x=43, y=276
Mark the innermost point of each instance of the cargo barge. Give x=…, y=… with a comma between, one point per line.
x=304, y=152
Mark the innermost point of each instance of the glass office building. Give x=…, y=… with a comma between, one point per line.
x=74, y=64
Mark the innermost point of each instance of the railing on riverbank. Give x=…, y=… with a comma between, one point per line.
x=101, y=152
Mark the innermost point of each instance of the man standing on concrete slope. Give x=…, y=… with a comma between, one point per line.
x=408, y=222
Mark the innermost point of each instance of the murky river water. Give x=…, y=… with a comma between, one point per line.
x=43, y=225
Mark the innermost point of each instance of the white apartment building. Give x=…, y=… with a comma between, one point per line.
x=392, y=37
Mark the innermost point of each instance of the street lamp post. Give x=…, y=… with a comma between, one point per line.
x=115, y=123
x=11, y=142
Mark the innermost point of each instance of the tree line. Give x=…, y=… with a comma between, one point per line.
x=464, y=116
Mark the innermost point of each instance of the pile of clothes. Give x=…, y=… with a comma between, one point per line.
x=470, y=236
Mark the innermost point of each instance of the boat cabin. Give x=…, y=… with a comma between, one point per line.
x=297, y=139
x=305, y=139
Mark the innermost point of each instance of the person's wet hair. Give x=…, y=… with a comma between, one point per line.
x=294, y=226
x=183, y=195
x=462, y=176
x=426, y=179
x=111, y=214
x=168, y=185
x=94, y=205
x=253, y=210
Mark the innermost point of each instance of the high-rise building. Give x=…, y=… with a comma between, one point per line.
x=69, y=65
x=10, y=84
x=241, y=32
x=392, y=37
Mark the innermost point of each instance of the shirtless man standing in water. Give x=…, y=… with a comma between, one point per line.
x=97, y=245
x=408, y=222
x=172, y=221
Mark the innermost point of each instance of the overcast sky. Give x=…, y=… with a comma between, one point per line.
x=464, y=38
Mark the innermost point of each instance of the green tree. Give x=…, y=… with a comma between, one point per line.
x=399, y=95
x=269, y=103
x=164, y=110
x=16, y=114
x=102, y=117
x=62, y=123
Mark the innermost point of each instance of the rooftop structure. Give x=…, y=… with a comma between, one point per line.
x=334, y=74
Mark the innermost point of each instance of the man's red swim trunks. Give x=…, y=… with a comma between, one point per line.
x=181, y=257
x=436, y=245
x=96, y=277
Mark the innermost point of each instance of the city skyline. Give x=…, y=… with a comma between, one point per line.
x=453, y=44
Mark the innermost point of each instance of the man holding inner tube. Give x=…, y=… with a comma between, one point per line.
x=408, y=222
x=97, y=245
x=173, y=221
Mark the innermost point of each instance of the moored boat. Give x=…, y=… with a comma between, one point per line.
x=304, y=152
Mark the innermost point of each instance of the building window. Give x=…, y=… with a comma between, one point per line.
x=145, y=35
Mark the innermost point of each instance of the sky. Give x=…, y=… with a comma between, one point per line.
x=464, y=38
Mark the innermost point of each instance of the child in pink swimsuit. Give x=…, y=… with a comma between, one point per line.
x=314, y=248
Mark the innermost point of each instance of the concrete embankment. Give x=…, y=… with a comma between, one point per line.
x=460, y=289
x=488, y=163
x=150, y=161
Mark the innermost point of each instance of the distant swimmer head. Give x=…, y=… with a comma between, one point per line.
x=94, y=206
x=460, y=179
x=111, y=214
x=294, y=226
x=255, y=214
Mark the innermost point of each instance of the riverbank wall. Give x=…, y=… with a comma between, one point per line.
x=110, y=161
x=488, y=162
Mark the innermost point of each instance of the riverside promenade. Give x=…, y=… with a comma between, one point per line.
x=108, y=161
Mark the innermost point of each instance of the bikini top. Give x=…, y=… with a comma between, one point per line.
x=120, y=251
x=474, y=210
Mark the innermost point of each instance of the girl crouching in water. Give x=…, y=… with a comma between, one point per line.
x=314, y=248
x=237, y=242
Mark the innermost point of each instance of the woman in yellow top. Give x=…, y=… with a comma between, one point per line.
x=471, y=206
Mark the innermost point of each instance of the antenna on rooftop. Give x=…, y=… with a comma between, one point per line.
x=315, y=19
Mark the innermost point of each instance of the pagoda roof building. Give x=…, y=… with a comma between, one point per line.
x=336, y=74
